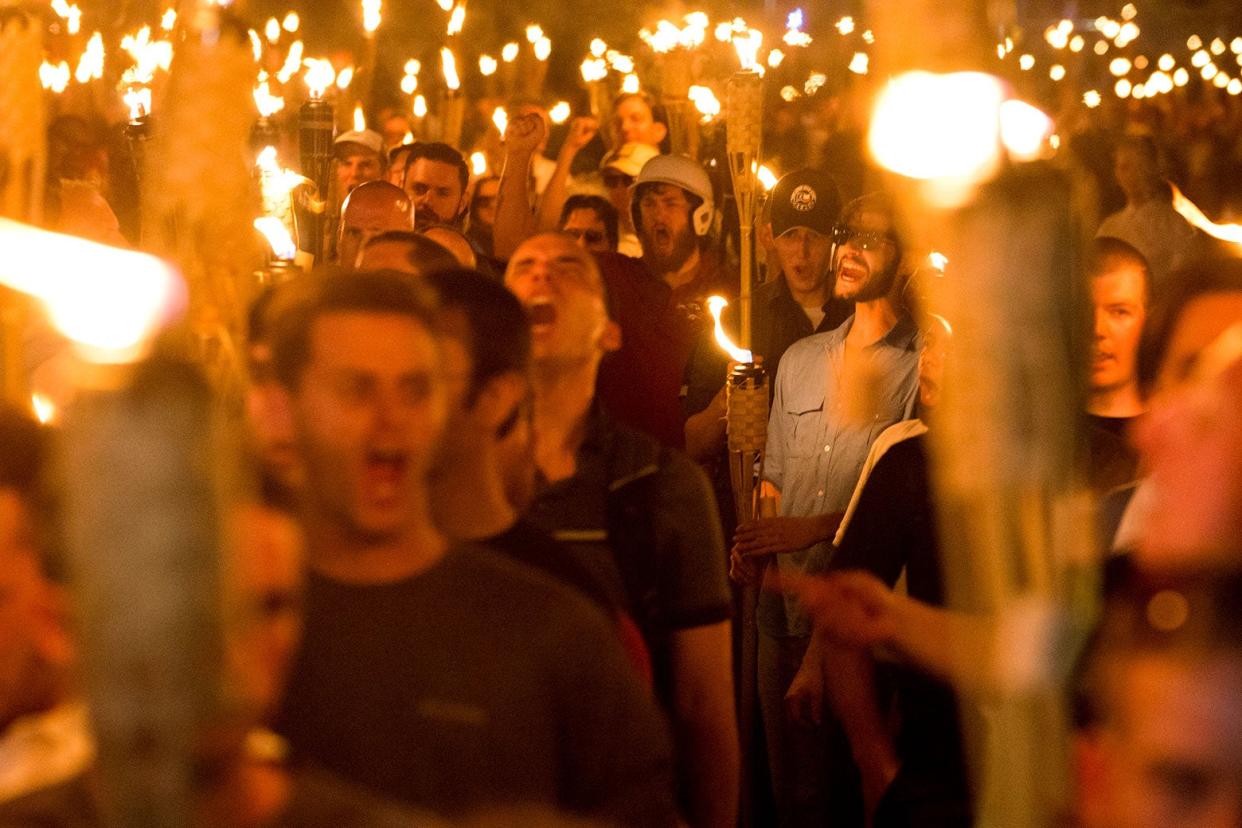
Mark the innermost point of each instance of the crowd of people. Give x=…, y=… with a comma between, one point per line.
x=490, y=564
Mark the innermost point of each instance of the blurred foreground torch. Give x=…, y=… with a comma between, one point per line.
x=744, y=131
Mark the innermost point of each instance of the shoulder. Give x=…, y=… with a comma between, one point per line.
x=487, y=572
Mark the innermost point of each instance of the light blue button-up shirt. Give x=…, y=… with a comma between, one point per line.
x=819, y=433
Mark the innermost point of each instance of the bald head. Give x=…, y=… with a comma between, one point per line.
x=455, y=243
x=407, y=252
x=371, y=209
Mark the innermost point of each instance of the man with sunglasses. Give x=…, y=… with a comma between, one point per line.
x=835, y=393
x=592, y=221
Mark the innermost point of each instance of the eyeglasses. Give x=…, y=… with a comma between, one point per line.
x=617, y=179
x=862, y=239
x=588, y=236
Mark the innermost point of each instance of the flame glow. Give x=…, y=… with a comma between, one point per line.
x=138, y=99
x=594, y=69
x=543, y=48
x=457, y=20
x=360, y=118
x=91, y=64
x=560, y=112
x=109, y=302
x=509, y=52
x=420, y=106
x=747, y=45
x=500, y=119
x=371, y=17
x=705, y=101
x=168, y=20
x=71, y=14
x=344, y=78
x=448, y=65
x=478, y=163
x=487, y=65
x=293, y=62
x=715, y=304
x=291, y=23
x=1231, y=233
x=1023, y=129
x=267, y=103
x=271, y=30
x=43, y=407
x=277, y=235
x=320, y=74
x=937, y=261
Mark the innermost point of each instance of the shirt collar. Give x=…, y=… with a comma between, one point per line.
x=901, y=336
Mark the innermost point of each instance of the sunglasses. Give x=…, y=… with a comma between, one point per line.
x=862, y=239
x=589, y=236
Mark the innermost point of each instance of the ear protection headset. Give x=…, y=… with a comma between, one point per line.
x=680, y=171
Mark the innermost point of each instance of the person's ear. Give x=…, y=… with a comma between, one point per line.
x=764, y=235
x=499, y=396
x=610, y=337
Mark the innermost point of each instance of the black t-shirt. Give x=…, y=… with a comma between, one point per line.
x=894, y=528
x=528, y=544
x=477, y=683
x=1113, y=461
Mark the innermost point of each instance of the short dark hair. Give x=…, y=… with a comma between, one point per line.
x=398, y=151
x=444, y=154
x=602, y=208
x=499, y=330
x=340, y=291
x=425, y=255
x=1107, y=254
x=1202, y=279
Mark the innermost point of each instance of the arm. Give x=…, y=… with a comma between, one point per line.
x=581, y=131
x=704, y=723
x=705, y=431
x=514, y=220
x=849, y=674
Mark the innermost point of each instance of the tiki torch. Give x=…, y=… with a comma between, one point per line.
x=454, y=111
x=138, y=129
x=316, y=129
x=743, y=134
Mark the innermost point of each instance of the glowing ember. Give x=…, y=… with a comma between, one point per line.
x=560, y=112
x=277, y=235
x=448, y=65
x=715, y=304
x=108, y=301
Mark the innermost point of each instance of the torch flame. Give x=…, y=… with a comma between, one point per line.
x=560, y=112
x=277, y=235
x=293, y=62
x=291, y=22
x=271, y=30
x=267, y=103
x=371, y=15
x=168, y=20
x=344, y=78
x=139, y=102
x=747, y=46
x=457, y=20
x=109, y=302
x=534, y=33
x=705, y=101
x=72, y=15
x=509, y=52
x=501, y=119
x=91, y=64
x=594, y=69
x=420, y=106
x=629, y=84
x=478, y=163
x=487, y=65
x=54, y=76
x=43, y=407
x=715, y=304
x=360, y=118
x=543, y=49
x=1231, y=233
x=320, y=74
x=448, y=64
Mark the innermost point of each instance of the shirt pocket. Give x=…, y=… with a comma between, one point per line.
x=805, y=417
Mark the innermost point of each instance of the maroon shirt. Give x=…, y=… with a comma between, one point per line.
x=641, y=384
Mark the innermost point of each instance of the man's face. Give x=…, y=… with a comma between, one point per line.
x=866, y=264
x=268, y=419
x=460, y=436
x=436, y=190
x=636, y=123
x=1190, y=442
x=1117, y=300
x=1173, y=755
x=806, y=258
x=266, y=560
x=668, y=239
x=483, y=206
x=560, y=287
x=368, y=410
x=355, y=164
x=585, y=225
x=617, y=184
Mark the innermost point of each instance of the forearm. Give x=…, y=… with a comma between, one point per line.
x=514, y=221
x=705, y=433
x=705, y=726
x=952, y=645
x=556, y=193
x=849, y=674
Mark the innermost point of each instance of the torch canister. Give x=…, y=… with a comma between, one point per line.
x=746, y=400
